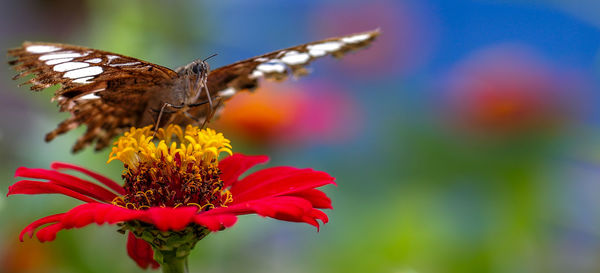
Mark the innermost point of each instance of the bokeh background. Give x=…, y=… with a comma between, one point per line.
x=465, y=139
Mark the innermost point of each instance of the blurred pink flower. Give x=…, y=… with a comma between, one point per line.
x=509, y=89
x=286, y=114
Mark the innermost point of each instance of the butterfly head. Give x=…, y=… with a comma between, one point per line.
x=194, y=77
x=197, y=68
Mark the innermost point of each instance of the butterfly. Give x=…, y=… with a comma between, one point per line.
x=110, y=93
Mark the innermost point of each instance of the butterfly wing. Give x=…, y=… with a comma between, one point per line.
x=226, y=81
x=109, y=92
x=103, y=90
x=279, y=64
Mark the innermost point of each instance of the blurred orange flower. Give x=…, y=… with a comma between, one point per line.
x=278, y=113
x=17, y=257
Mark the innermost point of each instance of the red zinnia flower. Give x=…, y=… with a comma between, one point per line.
x=173, y=195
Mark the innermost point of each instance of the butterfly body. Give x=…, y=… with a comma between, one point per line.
x=110, y=93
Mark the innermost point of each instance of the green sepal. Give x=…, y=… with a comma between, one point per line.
x=171, y=248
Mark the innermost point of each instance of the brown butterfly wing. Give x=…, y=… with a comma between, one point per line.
x=105, y=91
x=226, y=81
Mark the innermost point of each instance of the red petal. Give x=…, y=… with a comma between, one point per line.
x=262, y=176
x=102, y=179
x=317, y=198
x=37, y=187
x=311, y=221
x=287, y=208
x=163, y=218
x=283, y=208
x=48, y=233
x=98, y=213
x=233, y=166
x=215, y=222
x=141, y=252
x=30, y=229
x=317, y=214
x=264, y=206
x=82, y=216
x=278, y=181
x=68, y=181
x=170, y=218
x=78, y=216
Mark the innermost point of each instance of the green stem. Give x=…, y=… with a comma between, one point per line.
x=173, y=264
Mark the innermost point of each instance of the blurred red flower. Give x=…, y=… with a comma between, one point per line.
x=509, y=90
x=184, y=191
x=282, y=114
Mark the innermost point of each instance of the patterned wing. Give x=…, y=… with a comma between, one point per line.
x=105, y=91
x=226, y=81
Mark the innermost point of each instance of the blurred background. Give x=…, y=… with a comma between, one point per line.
x=465, y=139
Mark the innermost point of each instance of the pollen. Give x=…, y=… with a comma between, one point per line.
x=172, y=168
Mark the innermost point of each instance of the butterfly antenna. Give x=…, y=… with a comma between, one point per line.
x=207, y=58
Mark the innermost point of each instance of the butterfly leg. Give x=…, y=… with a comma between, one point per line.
x=192, y=117
x=212, y=111
x=210, y=103
x=160, y=113
x=198, y=103
x=204, y=86
x=165, y=111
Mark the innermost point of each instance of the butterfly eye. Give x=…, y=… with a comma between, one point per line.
x=197, y=68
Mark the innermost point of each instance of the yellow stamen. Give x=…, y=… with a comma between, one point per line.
x=173, y=168
x=194, y=145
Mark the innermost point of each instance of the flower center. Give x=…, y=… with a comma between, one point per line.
x=180, y=170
